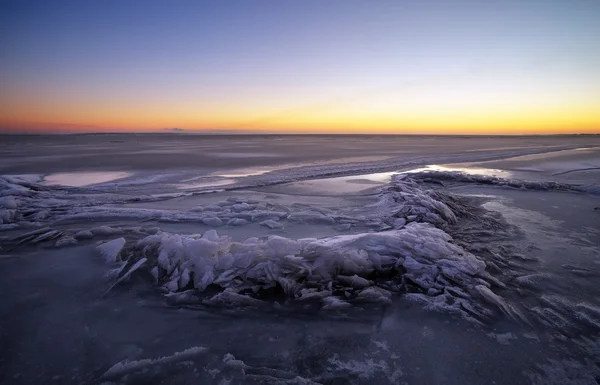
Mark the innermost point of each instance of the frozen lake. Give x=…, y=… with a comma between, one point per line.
x=176, y=259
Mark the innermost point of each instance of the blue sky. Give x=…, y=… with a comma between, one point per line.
x=228, y=64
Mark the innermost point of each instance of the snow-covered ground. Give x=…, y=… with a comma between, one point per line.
x=300, y=260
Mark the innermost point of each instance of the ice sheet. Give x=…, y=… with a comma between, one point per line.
x=370, y=297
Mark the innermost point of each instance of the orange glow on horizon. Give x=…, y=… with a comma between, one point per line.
x=459, y=107
x=583, y=119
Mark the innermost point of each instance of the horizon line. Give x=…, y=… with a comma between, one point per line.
x=238, y=133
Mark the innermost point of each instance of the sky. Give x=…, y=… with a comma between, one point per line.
x=306, y=66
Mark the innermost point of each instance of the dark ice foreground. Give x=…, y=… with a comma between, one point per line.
x=177, y=259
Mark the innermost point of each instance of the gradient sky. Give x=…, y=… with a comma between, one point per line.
x=425, y=66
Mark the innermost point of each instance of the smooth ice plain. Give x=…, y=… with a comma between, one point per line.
x=177, y=259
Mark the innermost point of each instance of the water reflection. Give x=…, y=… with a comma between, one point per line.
x=460, y=168
x=84, y=178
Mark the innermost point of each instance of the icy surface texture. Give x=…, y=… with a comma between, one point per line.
x=26, y=202
x=462, y=177
x=332, y=273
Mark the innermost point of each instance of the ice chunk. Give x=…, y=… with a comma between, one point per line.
x=124, y=368
x=126, y=276
x=184, y=297
x=237, y=222
x=310, y=217
x=354, y=281
x=271, y=224
x=65, y=241
x=111, y=250
x=334, y=303
x=376, y=295
x=239, y=207
x=232, y=364
x=399, y=223
x=503, y=338
x=311, y=294
x=212, y=221
x=505, y=307
x=84, y=234
x=230, y=298
x=104, y=230
x=211, y=235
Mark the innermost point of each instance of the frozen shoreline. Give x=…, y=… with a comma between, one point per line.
x=498, y=265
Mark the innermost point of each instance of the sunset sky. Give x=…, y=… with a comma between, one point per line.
x=484, y=67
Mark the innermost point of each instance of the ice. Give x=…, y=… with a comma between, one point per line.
x=375, y=295
x=503, y=338
x=239, y=207
x=87, y=178
x=103, y=230
x=310, y=217
x=233, y=364
x=212, y=221
x=506, y=308
x=124, y=368
x=128, y=274
x=362, y=369
x=65, y=241
x=237, y=222
x=461, y=177
x=232, y=299
x=354, y=281
x=7, y=216
x=211, y=235
x=111, y=250
x=334, y=303
x=37, y=236
x=8, y=202
x=412, y=239
x=311, y=269
x=272, y=224
x=399, y=223
x=84, y=234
